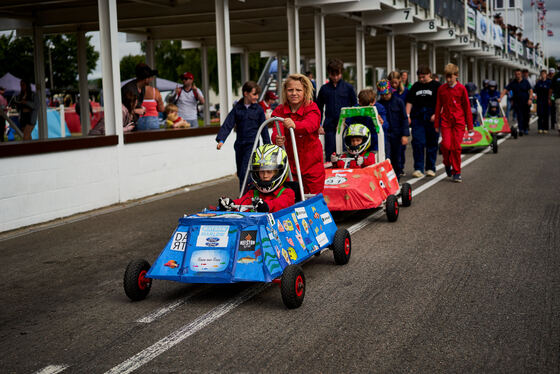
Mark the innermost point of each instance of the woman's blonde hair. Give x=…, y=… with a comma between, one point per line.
x=307, y=88
x=397, y=75
x=451, y=69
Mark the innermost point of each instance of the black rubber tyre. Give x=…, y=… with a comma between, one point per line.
x=342, y=247
x=495, y=144
x=406, y=194
x=136, y=285
x=514, y=132
x=292, y=286
x=392, y=208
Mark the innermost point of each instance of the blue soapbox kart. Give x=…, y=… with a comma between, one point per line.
x=239, y=246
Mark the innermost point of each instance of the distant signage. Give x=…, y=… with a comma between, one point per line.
x=471, y=18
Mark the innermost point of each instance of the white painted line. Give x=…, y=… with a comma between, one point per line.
x=52, y=369
x=148, y=354
x=164, y=344
x=168, y=308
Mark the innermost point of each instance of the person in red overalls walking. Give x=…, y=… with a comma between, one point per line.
x=453, y=113
x=301, y=114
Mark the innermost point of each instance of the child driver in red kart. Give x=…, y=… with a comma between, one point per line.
x=357, y=139
x=268, y=170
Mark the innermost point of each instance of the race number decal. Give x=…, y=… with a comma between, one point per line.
x=213, y=236
x=322, y=239
x=179, y=242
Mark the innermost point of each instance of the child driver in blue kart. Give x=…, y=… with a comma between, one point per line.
x=357, y=139
x=268, y=170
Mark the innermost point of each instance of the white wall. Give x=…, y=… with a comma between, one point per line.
x=53, y=185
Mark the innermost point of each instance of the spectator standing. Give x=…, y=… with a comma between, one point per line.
x=302, y=115
x=368, y=97
x=522, y=98
x=397, y=132
x=269, y=98
x=454, y=111
x=187, y=99
x=27, y=103
x=400, y=91
x=420, y=110
x=542, y=88
x=554, y=97
x=144, y=76
x=404, y=79
x=246, y=116
x=3, y=112
x=551, y=75
x=153, y=104
x=309, y=75
x=333, y=96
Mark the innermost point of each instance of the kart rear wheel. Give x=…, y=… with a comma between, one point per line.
x=292, y=286
x=495, y=144
x=392, y=208
x=342, y=247
x=136, y=284
x=406, y=194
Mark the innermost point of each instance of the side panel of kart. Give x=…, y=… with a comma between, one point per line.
x=220, y=247
x=481, y=138
x=355, y=189
x=497, y=125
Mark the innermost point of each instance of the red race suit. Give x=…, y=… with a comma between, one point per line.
x=369, y=159
x=454, y=110
x=282, y=197
x=310, y=150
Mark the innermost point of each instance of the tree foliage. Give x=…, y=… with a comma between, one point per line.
x=172, y=61
x=16, y=57
x=128, y=65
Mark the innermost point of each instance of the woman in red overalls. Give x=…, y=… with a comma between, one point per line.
x=302, y=114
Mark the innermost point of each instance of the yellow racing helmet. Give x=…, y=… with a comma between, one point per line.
x=357, y=130
x=269, y=157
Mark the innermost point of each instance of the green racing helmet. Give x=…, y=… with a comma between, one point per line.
x=269, y=157
x=357, y=130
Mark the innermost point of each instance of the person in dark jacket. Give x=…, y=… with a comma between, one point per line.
x=246, y=116
x=542, y=87
x=398, y=131
x=522, y=98
x=333, y=96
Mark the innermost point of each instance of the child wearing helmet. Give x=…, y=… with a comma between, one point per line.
x=490, y=93
x=473, y=97
x=268, y=171
x=357, y=139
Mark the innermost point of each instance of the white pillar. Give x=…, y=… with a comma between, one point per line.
x=360, y=59
x=224, y=57
x=412, y=77
x=490, y=72
x=244, y=66
x=390, y=52
x=475, y=72
x=279, y=75
x=40, y=88
x=466, y=72
x=460, y=66
x=320, y=63
x=432, y=58
x=446, y=56
x=111, y=75
x=293, y=37
x=83, y=83
x=205, y=82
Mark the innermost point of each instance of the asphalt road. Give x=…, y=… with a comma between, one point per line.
x=467, y=280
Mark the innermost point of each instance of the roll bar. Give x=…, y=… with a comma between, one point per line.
x=257, y=141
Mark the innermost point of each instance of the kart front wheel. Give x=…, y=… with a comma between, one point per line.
x=342, y=247
x=392, y=208
x=495, y=144
x=406, y=194
x=292, y=286
x=136, y=284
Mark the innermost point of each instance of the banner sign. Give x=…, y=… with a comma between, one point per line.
x=482, y=31
x=497, y=36
x=471, y=18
